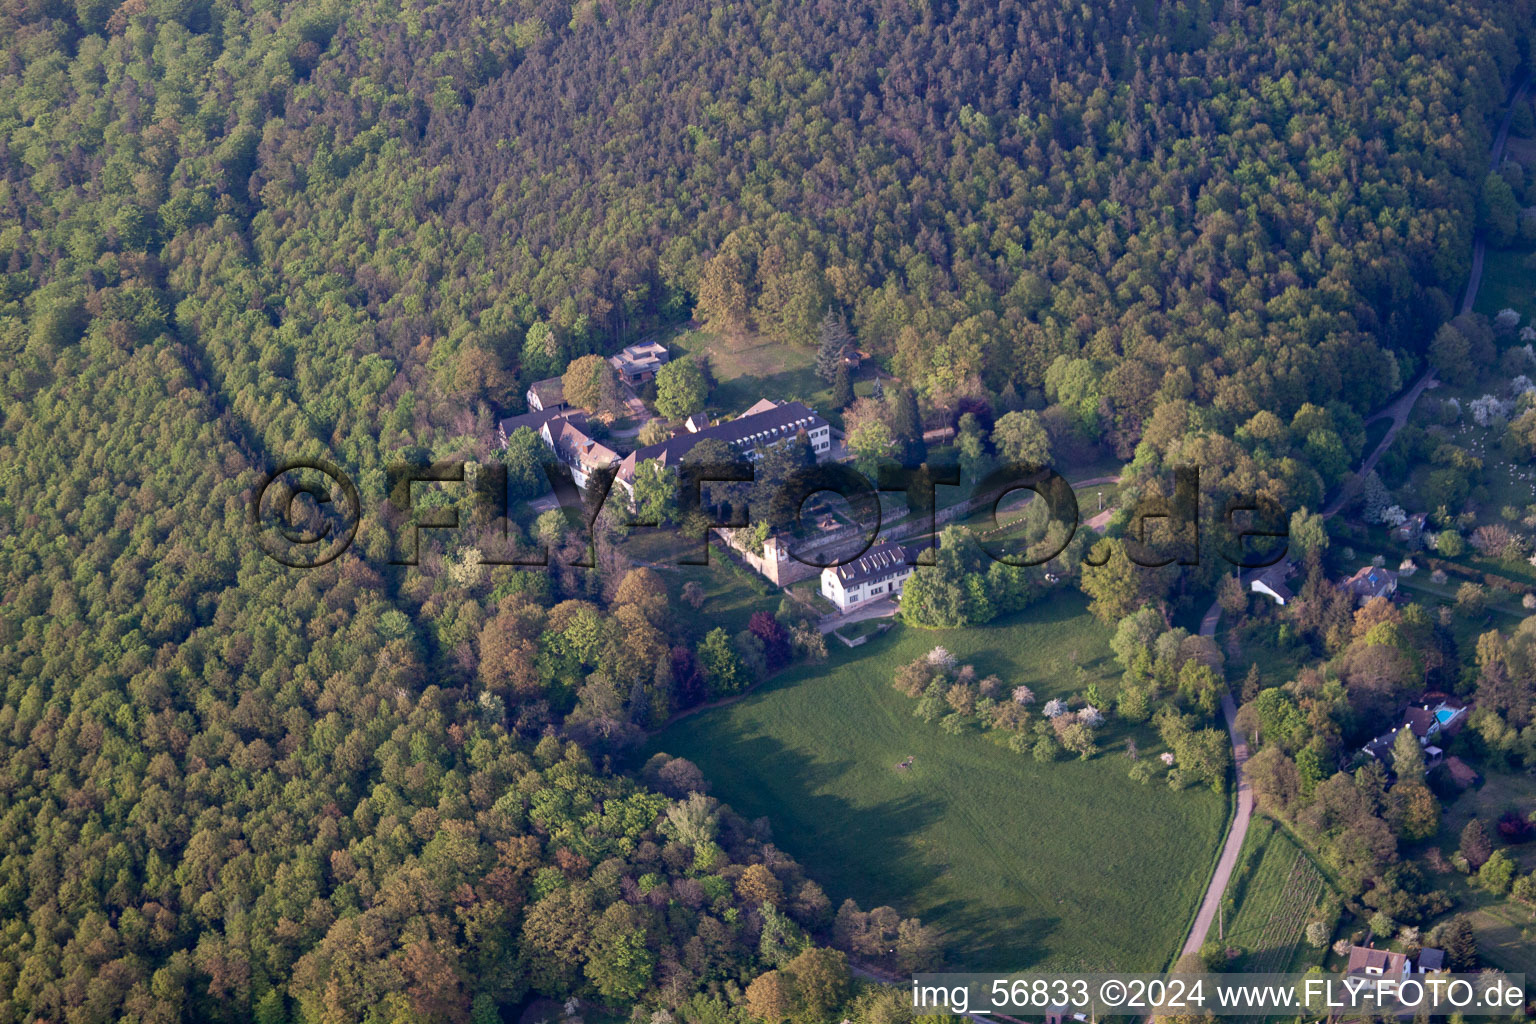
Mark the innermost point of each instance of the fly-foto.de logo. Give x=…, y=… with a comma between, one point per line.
x=305, y=513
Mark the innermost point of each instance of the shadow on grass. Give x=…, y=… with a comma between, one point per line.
x=890, y=865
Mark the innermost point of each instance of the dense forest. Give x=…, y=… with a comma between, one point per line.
x=237, y=232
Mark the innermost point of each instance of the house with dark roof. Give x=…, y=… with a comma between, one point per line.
x=1271, y=583
x=1431, y=959
x=1410, y=530
x=1371, y=581
x=546, y=395
x=1429, y=723
x=766, y=424
x=535, y=421
x=878, y=572
x=567, y=437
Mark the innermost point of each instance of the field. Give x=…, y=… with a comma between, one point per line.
x=1068, y=865
x=1270, y=898
x=1505, y=930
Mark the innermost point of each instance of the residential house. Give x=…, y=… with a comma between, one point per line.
x=1431, y=959
x=639, y=363
x=766, y=424
x=879, y=572
x=1370, y=962
x=1428, y=724
x=568, y=439
x=546, y=395
x=1445, y=718
x=1410, y=530
x=1371, y=581
x=1271, y=583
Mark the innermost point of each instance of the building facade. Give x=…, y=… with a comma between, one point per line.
x=879, y=572
x=567, y=438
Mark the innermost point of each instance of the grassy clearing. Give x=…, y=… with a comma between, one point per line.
x=1271, y=896
x=1505, y=930
x=1506, y=284
x=751, y=367
x=1068, y=865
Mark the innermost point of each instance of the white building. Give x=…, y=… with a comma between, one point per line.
x=879, y=572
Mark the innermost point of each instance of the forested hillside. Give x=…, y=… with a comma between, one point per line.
x=235, y=233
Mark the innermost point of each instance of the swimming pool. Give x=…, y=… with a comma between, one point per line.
x=1444, y=715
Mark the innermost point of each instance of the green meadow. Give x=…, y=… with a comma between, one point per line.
x=1067, y=865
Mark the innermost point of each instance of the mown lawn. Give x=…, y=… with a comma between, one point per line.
x=1068, y=865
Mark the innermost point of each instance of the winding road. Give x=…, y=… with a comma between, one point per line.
x=1398, y=412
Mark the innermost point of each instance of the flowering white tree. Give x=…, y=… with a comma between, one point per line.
x=1520, y=385
x=1023, y=695
x=1407, y=567
x=1055, y=708
x=1487, y=409
x=1394, y=515
x=1528, y=334
x=1507, y=319
x=1166, y=757
x=1091, y=717
x=940, y=658
x=468, y=572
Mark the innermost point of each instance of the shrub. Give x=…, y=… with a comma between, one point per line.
x=1514, y=828
x=1497, y=873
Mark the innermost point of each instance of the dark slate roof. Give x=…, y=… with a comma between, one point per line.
x=573, y=446
x=883, y=560
x=534, y=420
x=1431, y=959
x=782, y=421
